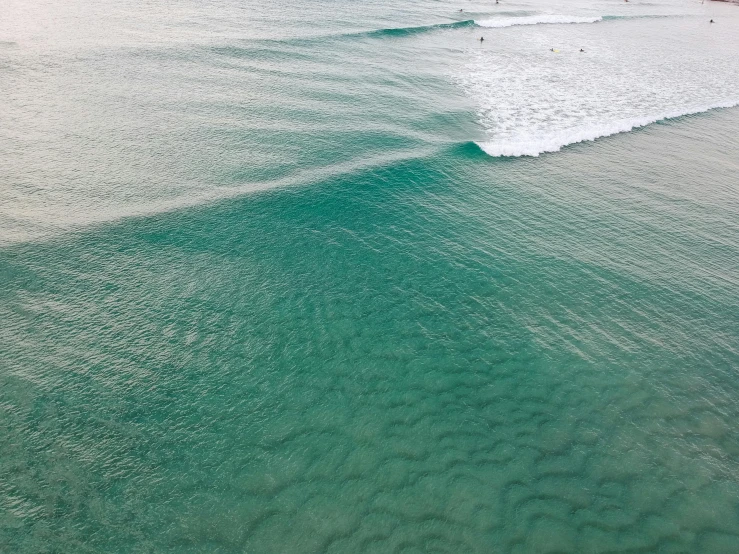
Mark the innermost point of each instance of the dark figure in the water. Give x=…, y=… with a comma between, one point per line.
x=711, y=21
x=482, y=38
x=581, y=50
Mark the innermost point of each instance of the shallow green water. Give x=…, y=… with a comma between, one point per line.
x=406, y=346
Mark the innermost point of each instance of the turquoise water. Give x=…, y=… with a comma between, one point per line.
x=267, y=287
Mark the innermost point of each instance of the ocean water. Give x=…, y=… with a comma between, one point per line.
x=330, y=276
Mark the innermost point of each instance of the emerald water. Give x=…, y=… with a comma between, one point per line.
x=321, y=277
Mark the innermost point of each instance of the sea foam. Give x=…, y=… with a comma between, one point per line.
x=542, y=19
x=533, y=145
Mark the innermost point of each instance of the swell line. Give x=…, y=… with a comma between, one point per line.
x=496, y=22
x=404, y=31
x=399, y=32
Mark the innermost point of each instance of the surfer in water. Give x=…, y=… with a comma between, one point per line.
x=581, y=50
x=711, y=21
x=482, y=38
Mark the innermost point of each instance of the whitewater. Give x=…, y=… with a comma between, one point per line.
x=543, y=19
x=533, y=145
x=542, y=82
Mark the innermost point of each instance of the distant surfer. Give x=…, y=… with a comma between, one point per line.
x=581, y=50
x=711, y=21
x=482, y=38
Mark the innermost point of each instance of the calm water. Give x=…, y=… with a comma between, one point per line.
x=328, y=276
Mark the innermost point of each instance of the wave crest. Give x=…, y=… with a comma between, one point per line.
x=542, y=19
x=535, y=145
x=404, y=31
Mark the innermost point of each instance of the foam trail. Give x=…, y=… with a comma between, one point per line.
x=535, y=145
x=543, y=19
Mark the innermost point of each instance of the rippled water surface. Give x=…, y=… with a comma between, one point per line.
x=271, y=281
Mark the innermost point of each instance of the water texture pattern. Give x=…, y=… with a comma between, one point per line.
x=263, y=291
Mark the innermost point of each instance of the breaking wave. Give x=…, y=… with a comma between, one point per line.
x=509, y=21
x=534, y=145
x=543, y=19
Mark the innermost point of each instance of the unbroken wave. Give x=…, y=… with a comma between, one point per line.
x=405, y=31
x=535, y=145
x=542, y=19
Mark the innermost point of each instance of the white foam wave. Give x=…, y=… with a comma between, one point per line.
x=599, y=81
x=535, y=145
x=543, y=19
